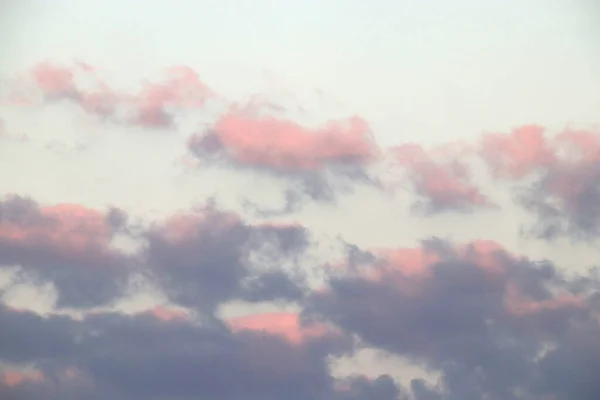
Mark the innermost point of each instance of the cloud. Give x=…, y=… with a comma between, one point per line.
x=155, y=105
x=315, y=160
x=166, y=315
x=27, y=337
x=198, y=362
x=14, y=377
x=143, y=357
x=382, y=388
x=79, y=83
x=518, y=153
x=207, y=302
x=559, y=175
x=440, y=178
x=491, y=321
x=286, y=325
x=67, y=244
x=202, y=258
x=181, y=88
x=286, y=146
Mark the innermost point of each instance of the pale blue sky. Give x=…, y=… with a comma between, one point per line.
x=427, y=71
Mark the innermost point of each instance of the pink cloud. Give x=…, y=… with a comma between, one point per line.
x=284, y=324
x=68, y=244
x=439, y=177
x=55, y=80
x=169, y=314
x=409, y=268
x=15, y=377
x=287, y=146
x=582, y=146
x=181, y=88
x=82, y=84
x=409, y=262
x=69, y=230
x=564, y=192
x=518, y=153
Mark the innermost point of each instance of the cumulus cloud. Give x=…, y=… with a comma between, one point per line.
x=316, y=160
x=202, y=258
x=141, y=357
x=558, y=175
x=68, y=244
x=494, y=323
x=287, y=146
x=235, y=305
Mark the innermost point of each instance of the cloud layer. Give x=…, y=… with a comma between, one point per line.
x=103, y=300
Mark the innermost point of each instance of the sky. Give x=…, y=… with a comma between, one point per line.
x=269, y=200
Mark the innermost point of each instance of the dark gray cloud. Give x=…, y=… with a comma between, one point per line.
x=200, y=260
x=66, y=244
x=149, y=359
x=27, y=337
x=422, y=391
x=566, y=201
x=117, y=218
x=122, y=357
x=484, y=329
x=203, y=260
x=382, y=388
